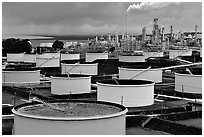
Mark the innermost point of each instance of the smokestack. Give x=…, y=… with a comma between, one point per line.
x=126, y=26
x=109, y=37
x=116, y=37
x=96, y=38
x=196, y=33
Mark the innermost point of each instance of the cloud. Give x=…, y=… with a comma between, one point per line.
x=61, y=18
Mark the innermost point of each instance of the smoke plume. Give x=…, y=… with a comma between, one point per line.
x=149, y=5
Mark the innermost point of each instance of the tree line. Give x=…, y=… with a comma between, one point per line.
x=12, y=45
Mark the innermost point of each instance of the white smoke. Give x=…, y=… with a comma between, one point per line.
x=149, y=5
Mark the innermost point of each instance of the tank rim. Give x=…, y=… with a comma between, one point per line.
x=123, y=111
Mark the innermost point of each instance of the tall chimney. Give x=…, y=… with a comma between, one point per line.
x=196, y=34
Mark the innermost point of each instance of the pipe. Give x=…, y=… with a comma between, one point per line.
x=72, y=68
x=178, y=66
x=187, y=69
x=141, y=72
x=48, y=104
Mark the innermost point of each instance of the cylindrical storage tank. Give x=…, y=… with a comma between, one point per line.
x=15, y=57
x=71, y=117
x=47, y=62
x=126, y=58
x=31, y=58
x=175, y=53
x=70, y=56
x=131, y=93
x=187, y=83
x=153, y=54
x=87, y=69
x=90, y=57
x=72, y=84
x=23, y=76
x=56, y=55
x=141, y=72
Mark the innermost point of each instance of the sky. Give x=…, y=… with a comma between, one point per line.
x=93, y=18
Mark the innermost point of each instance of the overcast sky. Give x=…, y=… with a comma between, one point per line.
x=95, y=18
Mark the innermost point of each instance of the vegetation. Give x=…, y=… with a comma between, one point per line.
x=12, y=45
x=58, y=45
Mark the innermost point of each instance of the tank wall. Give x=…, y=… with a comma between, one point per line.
x=191, y=84
x=49, y=55
x=70, y=86
x=70, y=56
x=108, y=126
x=20, y=76
x=47, y=62
x=15, y=57
x=175, y=53
x=132, y=58
x=91, y=69
x=153, y=54
x=152, y=74
x=130, y=96
x=90, y=57
x=30, y=58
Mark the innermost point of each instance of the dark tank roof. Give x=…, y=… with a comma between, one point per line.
x=126, y=82
x=71, y=75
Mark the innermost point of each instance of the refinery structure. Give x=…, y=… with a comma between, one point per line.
x=109, y=84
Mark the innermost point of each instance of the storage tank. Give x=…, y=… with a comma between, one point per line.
x=70, y=117
x=189, y=83
x=47, y=60
x=131, y=58
x=175, y=53
x=143, y=72
x=70, y=56
x=153, y=54
x=15, y=57
x=80, y=68
x=31, y=58
x=70, y=84
x=90, y=57
x=131, y=93
x=21, y=76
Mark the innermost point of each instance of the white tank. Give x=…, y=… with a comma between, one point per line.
x=188, y=83
x=152, y=74
x=88, y=69
x=74, y=84
x=131, y=58
x=90, y=57
x=80, y=118
x=70, y=56
x=10, y=76
x=15, y=57
x=153, y=54
x=31, y=58
x=176, y=53
x=131, y=93
x=47, y=61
